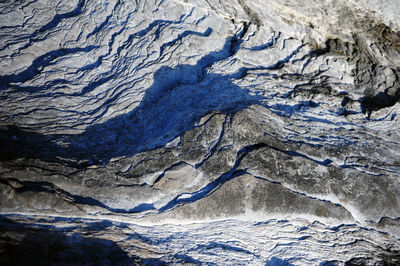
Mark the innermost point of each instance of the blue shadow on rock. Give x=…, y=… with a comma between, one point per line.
x=24, y=244
x=277, y=262
x=177, y=99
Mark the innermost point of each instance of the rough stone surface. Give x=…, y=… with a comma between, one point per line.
x=228, y=132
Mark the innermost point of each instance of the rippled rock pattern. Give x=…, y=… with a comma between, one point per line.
x=226, y=132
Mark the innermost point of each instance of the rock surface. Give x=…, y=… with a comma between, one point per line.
x=226, y=132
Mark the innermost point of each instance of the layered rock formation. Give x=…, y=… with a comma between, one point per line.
x=261, y=115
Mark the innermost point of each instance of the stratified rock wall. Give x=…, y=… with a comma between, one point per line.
x=154, y=112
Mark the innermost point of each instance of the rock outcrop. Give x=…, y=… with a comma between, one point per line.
x=254, y=115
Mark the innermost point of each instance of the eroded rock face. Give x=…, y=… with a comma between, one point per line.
x=139, y=112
